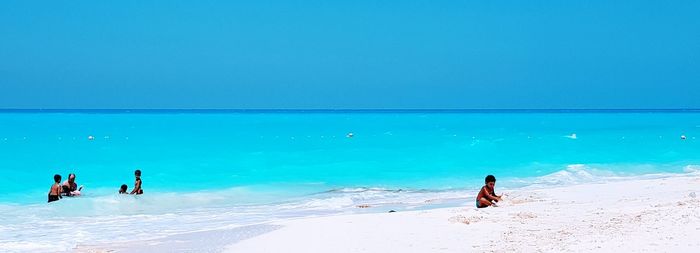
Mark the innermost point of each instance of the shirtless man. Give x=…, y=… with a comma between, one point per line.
x=70, y=188
x=137, y=185
x=487, y=196
x=55, y=190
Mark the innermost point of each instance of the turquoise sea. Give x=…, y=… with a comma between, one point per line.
x=209, y=169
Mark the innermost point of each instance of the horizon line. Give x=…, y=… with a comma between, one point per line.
x=329, y=110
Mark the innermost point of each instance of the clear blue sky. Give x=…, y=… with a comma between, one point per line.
x=351, y=54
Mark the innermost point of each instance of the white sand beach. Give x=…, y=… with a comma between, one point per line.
x=654, y=215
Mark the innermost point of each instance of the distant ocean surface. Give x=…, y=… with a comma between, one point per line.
x=216, y=169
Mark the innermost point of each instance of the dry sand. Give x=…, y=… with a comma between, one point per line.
x=655, y=215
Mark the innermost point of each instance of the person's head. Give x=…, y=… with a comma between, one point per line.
x=490, y=180
x=123, y=188
x=137, y=173
x=57, y=178
x=71, y=177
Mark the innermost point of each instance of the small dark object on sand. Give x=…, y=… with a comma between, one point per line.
x=392, y=211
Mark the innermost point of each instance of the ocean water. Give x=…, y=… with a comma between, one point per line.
x=207, y=170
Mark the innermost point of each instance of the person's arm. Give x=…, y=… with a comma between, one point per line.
x=491, y=197
x=497, y=196
x=59, y=190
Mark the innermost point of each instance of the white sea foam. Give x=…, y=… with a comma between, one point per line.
x=584, y=173
x=105, y=218
x=574, y=173
x=692, y=168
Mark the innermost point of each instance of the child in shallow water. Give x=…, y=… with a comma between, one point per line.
x=55, y=190
x=137, y=184
x=487, y=196
x=123, y=189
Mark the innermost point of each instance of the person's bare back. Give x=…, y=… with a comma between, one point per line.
x=56, y=188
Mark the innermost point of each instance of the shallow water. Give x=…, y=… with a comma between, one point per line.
x=205, y=170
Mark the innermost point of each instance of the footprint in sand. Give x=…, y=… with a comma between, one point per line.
x=520, y=201
x=525, y=215
x=464, y=219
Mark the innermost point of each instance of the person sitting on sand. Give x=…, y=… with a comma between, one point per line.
x=137, y=185
x=487, y=196
x=55, y=190
x=123, y=189
x=70, y=188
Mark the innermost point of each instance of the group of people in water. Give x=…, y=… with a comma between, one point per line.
x=69, y=188
x=485, y=198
